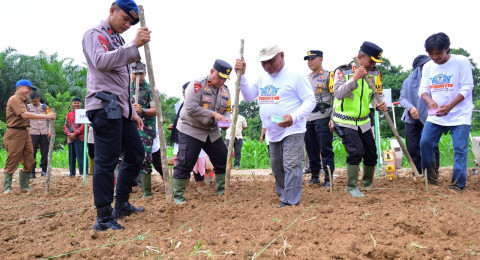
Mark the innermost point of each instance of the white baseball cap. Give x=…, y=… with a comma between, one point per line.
x=268, y=52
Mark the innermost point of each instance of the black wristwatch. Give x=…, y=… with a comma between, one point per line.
x=143, y=111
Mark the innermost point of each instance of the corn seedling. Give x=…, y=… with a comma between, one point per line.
x=196, y=248
x=208, y=252
x=277, y=220
x=434, y=210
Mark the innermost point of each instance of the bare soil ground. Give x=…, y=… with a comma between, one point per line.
x=396, y=220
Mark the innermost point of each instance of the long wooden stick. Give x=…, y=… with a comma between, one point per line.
x=50, y=152
x=137, y=88
x=233, y=126
x=161, y=132
x=390, y=124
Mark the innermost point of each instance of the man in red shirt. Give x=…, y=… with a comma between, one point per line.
x=75, y=138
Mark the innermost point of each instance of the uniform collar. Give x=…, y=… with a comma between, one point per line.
x=108, y=28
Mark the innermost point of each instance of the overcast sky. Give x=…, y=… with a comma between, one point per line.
x=187, y=36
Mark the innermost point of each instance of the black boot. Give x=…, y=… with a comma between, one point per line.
x=105, y=220
x=123, y=209
x=315, y=178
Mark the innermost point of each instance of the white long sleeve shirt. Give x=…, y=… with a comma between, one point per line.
x=287, y=92
x=443, y=83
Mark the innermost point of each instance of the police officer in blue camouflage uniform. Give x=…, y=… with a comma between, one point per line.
x=206, y=103
x=145, y=107
x=114, y=120
x=318, y=137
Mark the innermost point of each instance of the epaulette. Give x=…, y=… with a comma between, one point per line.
x=225, y=86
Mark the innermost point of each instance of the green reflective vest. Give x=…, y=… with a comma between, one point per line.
x=355, y=111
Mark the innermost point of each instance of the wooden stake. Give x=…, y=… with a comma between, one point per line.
x=50, y=152
x=331, y=180
x=137, y=89
x=161, y=131
x=233, y=127
x=390, y=124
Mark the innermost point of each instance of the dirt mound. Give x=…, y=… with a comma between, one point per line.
x=396, y=219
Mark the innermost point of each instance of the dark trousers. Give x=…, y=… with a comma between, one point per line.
x=189, y=149
x=318, y=141
x=237, y=147
x=359, y=145
x=413, y=134
x=75, y=154
x=157, y=161
x=40, y=141
x=113, y=137
x=91, y=151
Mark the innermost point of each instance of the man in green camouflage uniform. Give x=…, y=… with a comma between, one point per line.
x=145, y=108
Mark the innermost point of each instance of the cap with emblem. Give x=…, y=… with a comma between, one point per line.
x=223, y=68
x=313, y=54
x=25, y=82
x=138, y=67
x=268, y=52
x=372, y=50
x=130, y=8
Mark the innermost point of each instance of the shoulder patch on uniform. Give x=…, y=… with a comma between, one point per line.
x=103, y=42
x=197, y=87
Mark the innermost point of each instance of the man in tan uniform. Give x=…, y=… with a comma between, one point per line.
x=206, y=103
x=17, y=140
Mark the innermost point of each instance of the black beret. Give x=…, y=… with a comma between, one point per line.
x=313, y=54
x=76, y=99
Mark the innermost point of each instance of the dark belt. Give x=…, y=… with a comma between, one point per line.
x=349, y=118
x=18, y=127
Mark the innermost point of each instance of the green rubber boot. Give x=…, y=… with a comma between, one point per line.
x=24, y=179
x=368, y=172
x=179, y=187
x=147, y=185
x=220, y=183
x=352, y=179
x=7, y=182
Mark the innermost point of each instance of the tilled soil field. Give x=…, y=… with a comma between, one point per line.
x=396, y=220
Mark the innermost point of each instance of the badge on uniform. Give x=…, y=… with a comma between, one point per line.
x=103, y=42
x=206, y=106
x=340, y=74
x=197, y=87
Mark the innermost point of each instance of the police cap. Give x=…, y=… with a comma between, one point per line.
x=138, y=67
x=372, y=50
x=130, y=8
x=313, y=54
x=223, y=68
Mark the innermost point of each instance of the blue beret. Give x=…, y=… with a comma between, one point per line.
x=25, y=82
x=77, y=99
x=130, y=8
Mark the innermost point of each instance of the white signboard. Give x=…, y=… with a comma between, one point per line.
x=387, y=96
x=81, y=117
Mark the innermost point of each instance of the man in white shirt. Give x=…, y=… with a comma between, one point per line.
x=285, y=99
x=238, y=142
x=446, y=87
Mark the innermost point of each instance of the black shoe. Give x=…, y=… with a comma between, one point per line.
x=32, y=175
x=326, y=184
x=123, y=209
x=314, y=181
x=105, y=220
x=455, y=188
x=283, y=204
x=44, y=174
x=433, y=182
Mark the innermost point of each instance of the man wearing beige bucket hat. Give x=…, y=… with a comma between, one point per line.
x=286, y=100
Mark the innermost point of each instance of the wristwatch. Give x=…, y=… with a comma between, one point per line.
x=143, y=111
